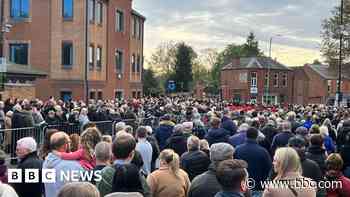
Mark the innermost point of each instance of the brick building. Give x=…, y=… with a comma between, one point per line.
x=50, y=36
x=257, y=80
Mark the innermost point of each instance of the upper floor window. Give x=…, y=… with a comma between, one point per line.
x=67, y=53
x=275, y=80
x=119, y=61
x=140, y=30
x=67, y=9
x=134, y=26
x=119, y=21
x=137, y=28
x=99, y=57
x=138, y=64
x=266, y=83
x=253, y=79
x=99, y=12
x=91, y=56
x=91, y=11
x=133, y=62
x=19, y=9
x=19, y=53
x=284, y=80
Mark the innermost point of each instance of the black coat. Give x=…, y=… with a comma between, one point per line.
x=216, y=135
x=194, y=163
x=178, y=142
x=31, y=161
x=318, y=155
x=344, y=152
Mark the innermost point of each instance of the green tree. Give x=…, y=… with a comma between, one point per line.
x=331, y=31
x=251, y=47
x=184, y=60
x=163, y=59
x=150, y=82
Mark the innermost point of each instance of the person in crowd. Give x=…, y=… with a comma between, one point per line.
x=269, y=130
x=344, y=130
x=310, y=168
x=308, y=122
x=59, y=142
x=304, y=133
x=107, y=138
x=126, y=179
x=281, y=139
x=85, y=154
x=206, y=184
x=227, y=123
x=344, y=151
x=328, y=142
x=51, y=118
x=3, y=167
x=164, y=131
x=204, y=146
x=7, y=132
x=103, y=154
x=169, y=180
x=75, y=142
x=240, y=137
x=45, y=148
x=288, y=168
x=258, y=159
x=232, y=176
x=144, y=148
x=26, y=150
x=316, y=152
x=129, y=129
x=334, y=173
x=123, y=149
x=291, y=117
x=60, y=115
x=155, y=148
x=331, y=130
x=120, y=126
x=7, y=191
x=83, y=116
x=199, y=129
x=83, y=189
x=194, y=162
x=178, y=140
x=215, y=133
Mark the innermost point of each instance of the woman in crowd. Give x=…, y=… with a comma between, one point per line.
x=169, y=180
x=334, y=165
x=82, y=189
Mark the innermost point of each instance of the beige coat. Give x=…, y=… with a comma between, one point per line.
x=8, y=126
x=304, y=187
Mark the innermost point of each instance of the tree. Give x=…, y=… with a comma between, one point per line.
x=184, y=60
x=331, y=31
x=251, y=47
x=150, y=83
x=163, y=59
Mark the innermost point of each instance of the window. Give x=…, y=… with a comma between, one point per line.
x=119, y=61
x=19, y=53
x=134, y=94
x=67, y=9
x=275, y=80
x=67, y=53
x=253, y=79
x=133, y=67
x=92, y=95
x=119, y=94
x=134, y=27
x=99, y=12
x=266, y=83
x=99, y=95
x=329, y=85
x=284, y=80
x=137, y=28
x=138, y=64
x=91, y=11
x=91, y=57
x=140, y=30
x=19, y=9
x=119, y=21
x=99, y=57
x=139, y=94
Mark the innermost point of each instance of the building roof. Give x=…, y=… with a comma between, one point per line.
x=327, y=72
x=12, y=68
x=134, y=12
x=255, y=62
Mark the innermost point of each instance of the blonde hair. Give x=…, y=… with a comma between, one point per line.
x=204, y=144
x=89, y=139
x=172, y=160
x=288, y=161
x=324, y=131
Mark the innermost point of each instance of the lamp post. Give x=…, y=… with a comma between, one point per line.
x=268, y=68
x=338, y=97
x=86, y=81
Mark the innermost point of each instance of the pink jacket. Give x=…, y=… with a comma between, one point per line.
x=80, y=155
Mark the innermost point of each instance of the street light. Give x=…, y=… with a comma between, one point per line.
x=338, y=97
x=86, y=82
x=268, y=68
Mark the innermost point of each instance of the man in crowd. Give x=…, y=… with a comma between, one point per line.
x=281, y=139
x=215, y=133
x=164, y=131
x=103, y=156
x=144, y=148
x=227, y=123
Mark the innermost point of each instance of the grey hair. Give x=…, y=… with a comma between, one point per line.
x=286, y=126
x=120, y=126
x=193, y=143
x=78, y=189
x=103, y=151
x=178, y=128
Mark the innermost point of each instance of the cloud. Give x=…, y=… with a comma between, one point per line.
x=216, y=23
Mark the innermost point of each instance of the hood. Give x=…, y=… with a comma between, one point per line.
x=216, y=133
x=52, y=161
x=166, y=123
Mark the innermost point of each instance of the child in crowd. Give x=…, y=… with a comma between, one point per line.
x=74, y=142
x=85, y=154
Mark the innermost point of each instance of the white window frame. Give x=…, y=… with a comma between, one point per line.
x=253, y=80
x=275, y=79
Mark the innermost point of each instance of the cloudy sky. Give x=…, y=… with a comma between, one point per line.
x=216, y=23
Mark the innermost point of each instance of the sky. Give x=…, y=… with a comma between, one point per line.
x=294, y=25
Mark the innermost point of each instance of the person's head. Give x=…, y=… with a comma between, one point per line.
x=141, y=132
x=215, y=122
x=193, y=143
x=187, y=126
x=243, y=127
x=168, y=158
x=232, y=175
x=315, y=129
x=119, y=126
x=324, y=131
x=46, y=145
x=178, y=128
x=149, y=130
x=291, y=116
x=286, y=160
x=298, y=143
x=103, y=152
x=51, y=114
x=25, y=146
x=78, y=189
x=286, y=126
x=316, y=140
x=75, y=141
x=252, y=133
x=220, y=152
x=123, y=147
x=84, y=111
x=89, y=138
x=334, y=162
x=302, y=131
x=60, y=141
x=127, y=179
x=204, y=145
x=107, y=138
x=129, y=129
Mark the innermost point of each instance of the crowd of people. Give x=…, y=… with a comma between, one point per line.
x=198, y=148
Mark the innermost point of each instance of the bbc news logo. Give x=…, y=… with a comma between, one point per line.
x=52, y=176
